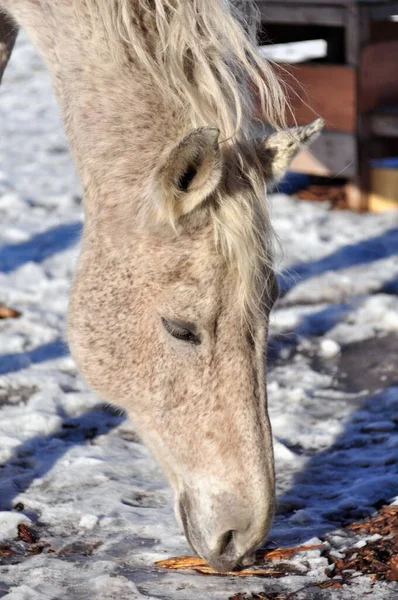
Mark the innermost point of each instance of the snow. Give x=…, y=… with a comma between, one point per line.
x=75, y=470
x=329, y=348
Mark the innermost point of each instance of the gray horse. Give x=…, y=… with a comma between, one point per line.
x=171, y=297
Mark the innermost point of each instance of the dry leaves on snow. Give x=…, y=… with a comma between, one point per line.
x=335, y=194
x=284, y=553
x=378, y=558
x=198, y=564
x=26, y=534
x=259, y=596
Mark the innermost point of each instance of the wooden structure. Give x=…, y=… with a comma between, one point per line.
x=354, y=87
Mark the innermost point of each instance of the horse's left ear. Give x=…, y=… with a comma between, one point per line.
x=191, y=172
x=279, y=149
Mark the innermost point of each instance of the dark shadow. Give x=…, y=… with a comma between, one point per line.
x=40, y=246
x=349, y=480
x=390, y=287
x=319, y=323
x=35, y=457
x=363, y=252
x=315, y=324
x=11, y=363
x=293, y=182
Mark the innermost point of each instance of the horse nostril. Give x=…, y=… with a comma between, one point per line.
x=223, y=558
x=226, y=542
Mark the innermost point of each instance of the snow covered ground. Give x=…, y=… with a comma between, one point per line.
x=76, y=472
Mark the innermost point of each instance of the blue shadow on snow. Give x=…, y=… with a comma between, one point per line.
x=40, y=246
x=11, y=363
x=363, y=252
x=347, y=481
x=36, y=457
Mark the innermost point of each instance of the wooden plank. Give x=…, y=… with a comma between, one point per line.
x=384, y=189
x=381, y=12
x=321, y=90
x=353, y=34
x=333, y=2
x=384, y=31
x=331, y=154
x=302, y=14
x=378, y=75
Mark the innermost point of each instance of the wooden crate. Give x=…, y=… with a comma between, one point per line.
x=383, y=188
x=349, y=89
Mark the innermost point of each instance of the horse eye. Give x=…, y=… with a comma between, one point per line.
x=180, y=332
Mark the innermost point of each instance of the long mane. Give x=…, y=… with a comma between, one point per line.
x=203, y=62
x=200, y=55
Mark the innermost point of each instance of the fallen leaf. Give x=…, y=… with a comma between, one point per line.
x=6, y=312
x=385, y=522
x=392, y=573
x=198, y=564
x=328, y=584
x=194, y=562
x=258, y=596
x=26, y=534
x=288, y=552
x=181, y=562
x=6, y=551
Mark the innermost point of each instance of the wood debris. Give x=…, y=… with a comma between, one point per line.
x=335, y=194
x=284, y=553
x=259, y=596
x=378, y=559
x=329, y=583
x=6, y=551
x=199, y=565
x=26, y=534
x=6, y=312
x=259, y=569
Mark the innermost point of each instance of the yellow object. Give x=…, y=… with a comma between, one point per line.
x=383, y=189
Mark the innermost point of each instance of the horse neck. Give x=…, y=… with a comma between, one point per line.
x=118, y=125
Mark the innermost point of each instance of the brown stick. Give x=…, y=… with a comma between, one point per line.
x=8, y=35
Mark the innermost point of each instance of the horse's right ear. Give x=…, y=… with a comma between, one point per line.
x=190, y=174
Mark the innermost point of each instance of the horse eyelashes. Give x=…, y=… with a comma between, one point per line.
x=180, y=333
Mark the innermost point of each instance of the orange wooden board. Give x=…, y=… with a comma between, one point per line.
x=323, y=90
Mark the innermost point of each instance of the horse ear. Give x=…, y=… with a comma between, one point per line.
x=279, y=149
x=192, y=171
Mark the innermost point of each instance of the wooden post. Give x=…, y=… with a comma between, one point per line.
x=8, y=35
x=357, y=34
